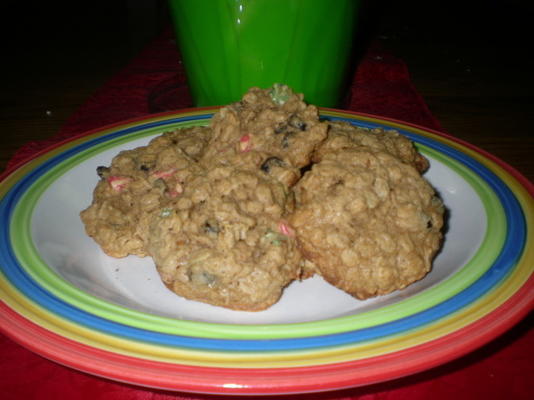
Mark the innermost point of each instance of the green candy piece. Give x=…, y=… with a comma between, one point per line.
x=280, y=93
x=165, y=212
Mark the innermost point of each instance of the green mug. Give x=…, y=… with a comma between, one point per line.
x=228, y=46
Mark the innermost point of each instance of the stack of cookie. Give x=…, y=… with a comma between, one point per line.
x=266, y=194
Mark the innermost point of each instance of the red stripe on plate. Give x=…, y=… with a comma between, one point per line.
x=267, y=381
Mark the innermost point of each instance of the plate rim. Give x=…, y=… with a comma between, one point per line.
x=252, y=381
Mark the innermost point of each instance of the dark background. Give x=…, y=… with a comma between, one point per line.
x=471, y=61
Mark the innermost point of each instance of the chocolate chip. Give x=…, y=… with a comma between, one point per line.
x=211, y=226
x=285, y=139
x=296, y=122
x=267, y=165
x=102, y=172
x=280, y=128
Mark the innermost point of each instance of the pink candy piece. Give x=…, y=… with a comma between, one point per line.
x=164, y=174
x=118, y=183
x=177, y=191
x=245, y=143
x=285, y=229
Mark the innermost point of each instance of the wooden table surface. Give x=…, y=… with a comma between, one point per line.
x=470, y=64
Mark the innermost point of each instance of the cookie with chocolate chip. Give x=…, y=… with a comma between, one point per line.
x=225, y=240
x=138, y=182
x=273, y=130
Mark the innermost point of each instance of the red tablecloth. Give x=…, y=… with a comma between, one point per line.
x=154, y=81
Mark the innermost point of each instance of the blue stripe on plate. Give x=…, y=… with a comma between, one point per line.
x=503, y=265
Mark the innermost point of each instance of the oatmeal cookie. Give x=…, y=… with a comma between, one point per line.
x=225, y=240
x=272, y=130
x=137, y=182
x=342, y=136
x=368, y=220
